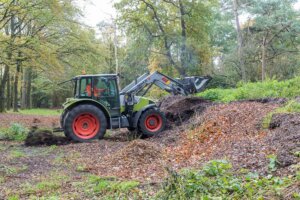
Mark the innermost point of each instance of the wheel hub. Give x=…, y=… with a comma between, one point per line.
x=153, y=122
x=86, y=126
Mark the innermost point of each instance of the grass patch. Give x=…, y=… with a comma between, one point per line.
x=17, y=154
x=82, y=168
x=10, y=170
x=290, y=107
x=13, y=197
x=48, y=185
x=40, y=111
x=216, y=180
x=2, y=179
x=42, y=187
x=2, y=147
x=67, y=160
x=110, y=188
x=270, y=88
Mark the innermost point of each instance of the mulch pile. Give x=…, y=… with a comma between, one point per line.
x=226, y=131
x=285, y=138
x=139, y=160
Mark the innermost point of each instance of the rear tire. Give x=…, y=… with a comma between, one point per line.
x=85, y=123
x=62, y=122
x=151, y=122
x=131, y=128
x=62, y=118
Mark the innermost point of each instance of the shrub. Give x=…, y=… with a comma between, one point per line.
x=15, y=132
x=268, y=88
x=216, y=180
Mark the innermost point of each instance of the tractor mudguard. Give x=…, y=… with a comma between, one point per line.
x=138, y=114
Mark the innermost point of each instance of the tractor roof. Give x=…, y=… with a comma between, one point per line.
x=96, y=75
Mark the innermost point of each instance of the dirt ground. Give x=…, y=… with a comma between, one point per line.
x=198, y=131
x=6, y=119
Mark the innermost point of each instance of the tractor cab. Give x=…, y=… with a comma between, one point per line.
x=101, y=87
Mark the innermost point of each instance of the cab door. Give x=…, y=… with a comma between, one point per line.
x=105, y=90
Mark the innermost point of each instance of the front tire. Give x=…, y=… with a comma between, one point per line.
x=85, y=123
x=151, y=122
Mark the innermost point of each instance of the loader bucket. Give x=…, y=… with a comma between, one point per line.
x=195, y=84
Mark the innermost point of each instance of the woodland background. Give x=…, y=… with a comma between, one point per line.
x=43, y=43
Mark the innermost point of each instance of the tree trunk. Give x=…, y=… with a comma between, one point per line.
x=26, y=88
x=16, y=83
x=8, y=91
x=28, y=92
x=23, y=89
x=239, y=40
x=263, y=60
x=11, y=91
x=183, y=52
x=2, y=88
x=10, y=32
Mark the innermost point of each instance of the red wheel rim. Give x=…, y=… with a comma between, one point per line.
x=153, y=122
x=86, y=126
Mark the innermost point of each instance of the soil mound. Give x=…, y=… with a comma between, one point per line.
x=140, y=159
x=267, y=100
x=285, y=138
x=179, y=109
x=38, y=137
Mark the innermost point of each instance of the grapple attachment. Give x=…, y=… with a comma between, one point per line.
x=194, y=84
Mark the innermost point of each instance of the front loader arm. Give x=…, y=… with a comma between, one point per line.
x=185, y=86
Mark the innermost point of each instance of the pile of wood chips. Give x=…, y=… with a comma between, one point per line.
x=139, y=160
x=227, y=131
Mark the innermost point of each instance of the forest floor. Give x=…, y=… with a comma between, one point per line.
x=198, y=131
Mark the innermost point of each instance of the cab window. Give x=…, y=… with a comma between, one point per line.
x=104, y=87
x=105, y=91
x=85, y=87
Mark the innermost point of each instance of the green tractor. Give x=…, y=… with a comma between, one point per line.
x=98, y=104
